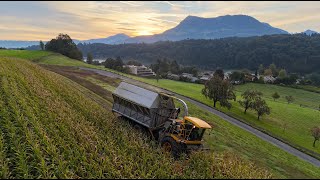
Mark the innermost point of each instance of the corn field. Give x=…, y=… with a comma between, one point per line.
x=50, y=129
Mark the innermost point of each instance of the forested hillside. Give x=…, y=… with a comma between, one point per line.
x=297, y=53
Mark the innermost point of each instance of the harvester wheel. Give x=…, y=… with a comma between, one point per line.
x=138, y=128
x=170, y=145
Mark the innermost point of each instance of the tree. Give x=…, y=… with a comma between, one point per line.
x=41, y=45
x=116, y=64
x=275, y=96
x=290, y=99
x=237, y=76
x=156, y=67
x=255, y=76
x=315, y=132
x=219, y=90
x=89, y=58
x=63, y=44
x=228, y=53
x=164, y=67
x=96, y=63
x=248, y=99
x=220, y=73
x=174, y=67
x=194, y=71
x=274, y=69
x=261, y=69
x=267, y=72
x=189, y=69
x=261, y=107
x=260, y=80
x=282, y=74
x=157, y=76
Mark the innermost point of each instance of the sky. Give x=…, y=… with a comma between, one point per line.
x=41, y=20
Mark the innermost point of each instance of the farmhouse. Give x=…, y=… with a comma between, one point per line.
x=189, y=76
x=140, y=70
x=173, y=76
x=268, y=79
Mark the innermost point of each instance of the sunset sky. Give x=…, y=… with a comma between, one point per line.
x=87, y=20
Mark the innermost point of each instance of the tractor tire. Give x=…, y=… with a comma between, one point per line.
x=138, y=128
x=170, y=145
x=157, y=134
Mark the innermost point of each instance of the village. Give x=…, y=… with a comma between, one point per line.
x=235, y=76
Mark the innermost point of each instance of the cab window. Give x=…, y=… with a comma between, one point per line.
x=196, y=134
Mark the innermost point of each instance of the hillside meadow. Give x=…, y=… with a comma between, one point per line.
x=227, y=138
x=289, y=122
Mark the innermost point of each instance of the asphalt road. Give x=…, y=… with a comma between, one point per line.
x=233, y=121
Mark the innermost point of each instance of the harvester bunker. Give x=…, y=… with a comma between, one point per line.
x=156, y=111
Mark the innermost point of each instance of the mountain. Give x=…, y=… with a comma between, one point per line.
x=115, y=39
x=310, y=32
x=17, y=44
x=193, y=27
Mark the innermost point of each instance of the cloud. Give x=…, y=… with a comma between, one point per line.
x=128, y=29
x=88, y=19
x=162, y=20
x=175, y=5
x=130, y=3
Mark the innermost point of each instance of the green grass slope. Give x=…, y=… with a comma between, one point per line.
x=30, y=55
x=50, y=128
x=305, y=98
x=289, y=122
x=43, y=57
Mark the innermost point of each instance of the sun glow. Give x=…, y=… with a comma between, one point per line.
x=144, y=32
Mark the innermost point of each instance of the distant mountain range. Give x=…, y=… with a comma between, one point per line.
x=192, y=27
x=115, y=39
x=17, y=44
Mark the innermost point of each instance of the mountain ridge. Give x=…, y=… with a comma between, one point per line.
x=192, y=27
